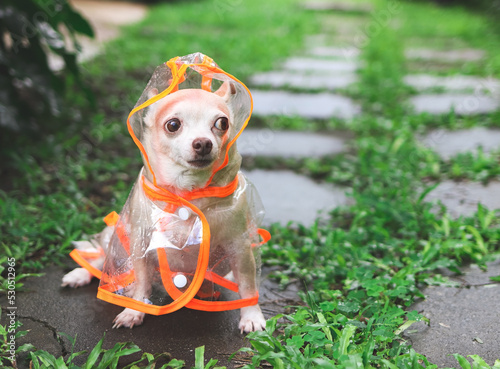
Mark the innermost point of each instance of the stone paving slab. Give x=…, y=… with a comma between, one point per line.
x=454, y=83
x=450, y=143
x=304, y=81
x=319, y=40
x=337, y=6
x=46, y=309
x=463, y=104
x=105, y=17
x=288, y=196
x=290, y=144
x=463, y=320
x=321, y=65
x=314, y=106
x=461, y=198
x=459, y=55
x=346, y=53
x=118, y=13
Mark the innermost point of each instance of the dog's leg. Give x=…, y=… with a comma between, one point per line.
x=243, y=267
x=142, y=291
x=79, y=277
x=128, y=318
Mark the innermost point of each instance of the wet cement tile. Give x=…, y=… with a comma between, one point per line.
x=457, y=55
x=304, y=81
x=290, y=144
x=314, y=106
x=453, y=83
x=288, y=196
x=321, y=65
x=346, y=53
x=461, y=198
x=450, y=143
x=462, y=104
x=462, y=320
x=337, y=6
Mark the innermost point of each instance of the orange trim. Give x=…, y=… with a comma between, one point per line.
x=80, y=260
x=172, y=64
x=221, y=281
x=214, y=306
x=206, y=83
x=130, y=303
x=266, y=236
x=111, y=219
x=207, y=60
x=174, y=292
x=160, y=194
x=223, y=191
x=196, y=304
x=119, y=281
x=206, y=295
x=91, y=255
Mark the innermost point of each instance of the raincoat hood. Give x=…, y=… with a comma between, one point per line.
x=194, y=71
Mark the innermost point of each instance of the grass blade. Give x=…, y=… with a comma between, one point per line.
x=94, y=355
x=462, y=361
x=345, y=338
x=199, y=357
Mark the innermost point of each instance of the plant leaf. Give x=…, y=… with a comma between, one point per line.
x=462, y=361
x=347, y=333
x=94, y=355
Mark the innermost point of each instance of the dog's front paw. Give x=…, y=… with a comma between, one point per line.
x=128, y=318
x=252, y=319
x=76, y=278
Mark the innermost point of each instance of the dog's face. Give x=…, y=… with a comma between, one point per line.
x=186, y=132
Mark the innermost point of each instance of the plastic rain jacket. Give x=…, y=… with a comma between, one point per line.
x=170, y=227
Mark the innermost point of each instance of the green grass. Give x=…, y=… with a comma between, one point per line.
x=427, y=25
x=363, y=268
x=271, y=31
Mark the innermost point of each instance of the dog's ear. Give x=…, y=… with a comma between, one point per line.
x=150, y=110
x=153, y=92
x=226, y=90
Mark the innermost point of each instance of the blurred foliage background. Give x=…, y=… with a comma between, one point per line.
x=31, y=94
x=30, y=91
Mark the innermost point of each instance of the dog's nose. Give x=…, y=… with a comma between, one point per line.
x=202, y=146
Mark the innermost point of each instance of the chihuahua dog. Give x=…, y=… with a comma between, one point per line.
x=188, y=133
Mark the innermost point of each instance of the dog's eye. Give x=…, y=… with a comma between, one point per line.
x=222, y=124
x=173, y=125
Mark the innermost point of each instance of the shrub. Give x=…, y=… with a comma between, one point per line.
x=29, y=30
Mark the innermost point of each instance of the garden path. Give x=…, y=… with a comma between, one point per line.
x=106, y=18
x=461, y=318
x=312, y=86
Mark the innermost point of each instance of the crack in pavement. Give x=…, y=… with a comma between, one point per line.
x=57, y=337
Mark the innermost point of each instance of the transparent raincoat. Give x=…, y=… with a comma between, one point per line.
x=173, y=234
